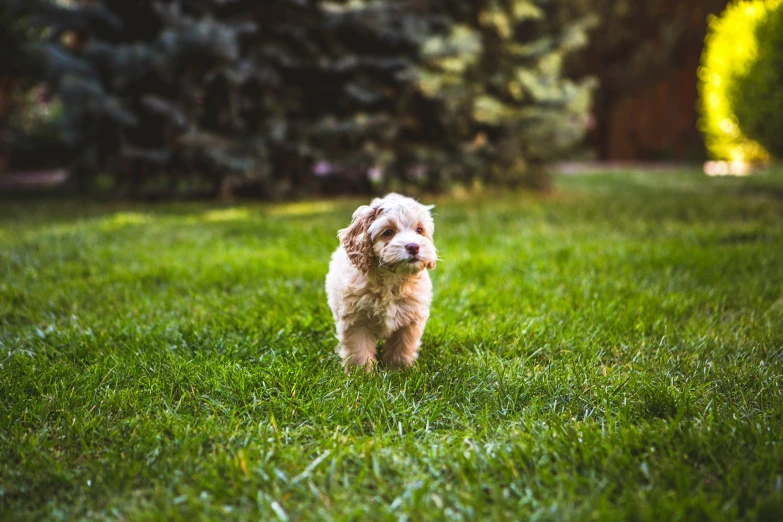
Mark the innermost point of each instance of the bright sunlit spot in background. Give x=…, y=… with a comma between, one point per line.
x=728, y=168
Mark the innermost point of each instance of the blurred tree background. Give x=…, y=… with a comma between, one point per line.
x=285, y=98
x=291, y=97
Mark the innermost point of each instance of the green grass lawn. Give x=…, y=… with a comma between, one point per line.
x=612, y=351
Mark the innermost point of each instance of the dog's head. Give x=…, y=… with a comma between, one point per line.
x=394, y=232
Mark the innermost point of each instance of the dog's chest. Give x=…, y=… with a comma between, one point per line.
x=387, y=312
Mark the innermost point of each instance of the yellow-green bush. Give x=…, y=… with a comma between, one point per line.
x=729, y=63
x=761, y=90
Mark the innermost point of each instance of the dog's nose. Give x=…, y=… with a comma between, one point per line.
x=412, y=248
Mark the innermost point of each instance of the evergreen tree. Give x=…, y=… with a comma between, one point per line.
x=219, y=92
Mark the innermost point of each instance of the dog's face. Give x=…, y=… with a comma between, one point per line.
x=394, y=232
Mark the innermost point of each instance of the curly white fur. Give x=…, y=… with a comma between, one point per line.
x=378, y=286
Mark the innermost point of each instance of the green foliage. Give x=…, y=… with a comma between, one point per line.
x=15, y=34
x=18, y=70
x=613, y=353
x=758, y=95
x=235, y=90
x=725, y=82
x=34, y=137
x=498, y=76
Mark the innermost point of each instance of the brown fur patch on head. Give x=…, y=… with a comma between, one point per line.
x=356, y=240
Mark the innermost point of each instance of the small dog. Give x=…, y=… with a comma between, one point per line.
x=378, y=286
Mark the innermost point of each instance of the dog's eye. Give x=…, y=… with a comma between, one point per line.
x=389, y=233
x=419, y=230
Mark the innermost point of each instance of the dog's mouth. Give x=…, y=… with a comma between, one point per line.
x=416, y=264
x=406, y=263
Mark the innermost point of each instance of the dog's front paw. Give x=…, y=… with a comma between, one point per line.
x=398, y=361
x=369, y=366
x=353, y=360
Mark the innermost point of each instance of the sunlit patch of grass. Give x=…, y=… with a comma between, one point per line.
x=609, y=352
x=227, y=214
x=304, y=208
x=123, y=219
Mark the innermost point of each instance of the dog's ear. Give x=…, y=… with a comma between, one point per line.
x=356, y=240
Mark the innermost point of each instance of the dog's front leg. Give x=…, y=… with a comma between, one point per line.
x=402, y=347
x=357, y=348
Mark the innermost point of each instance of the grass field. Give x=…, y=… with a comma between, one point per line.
x=613, y=351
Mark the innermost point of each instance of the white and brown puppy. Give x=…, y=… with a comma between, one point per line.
x=378, y=286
